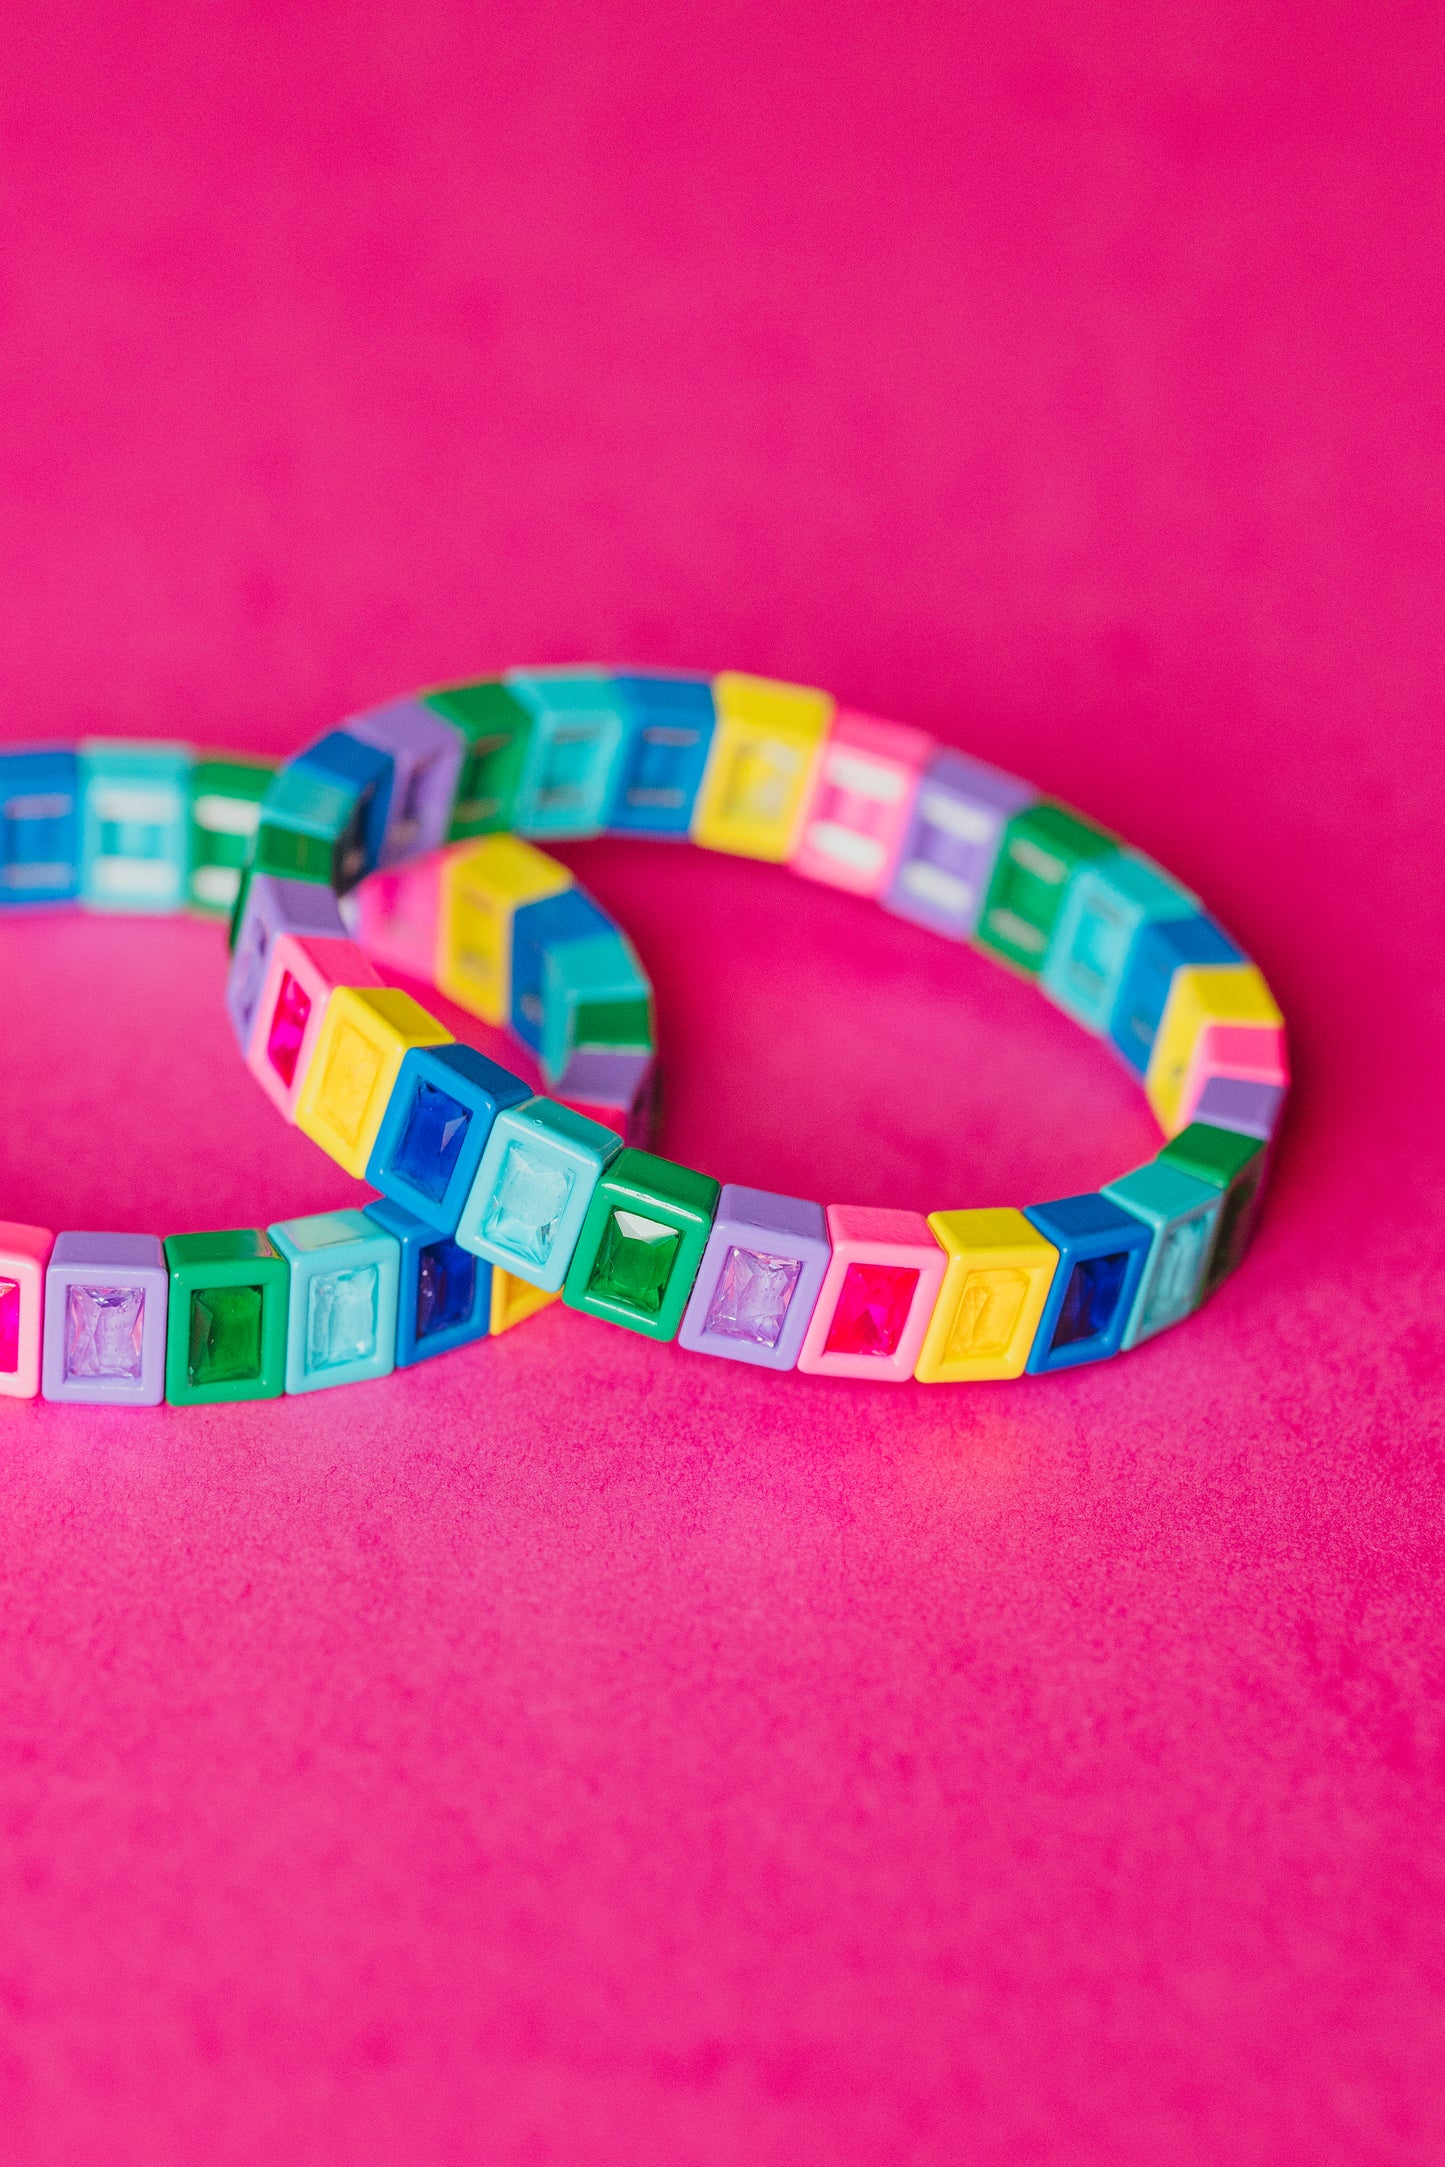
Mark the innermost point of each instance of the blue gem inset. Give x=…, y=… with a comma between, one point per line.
x=432, y=1140
x=1091, y=1299
x=446, y=1285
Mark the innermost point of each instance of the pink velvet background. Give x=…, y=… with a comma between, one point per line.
x=576, y=1751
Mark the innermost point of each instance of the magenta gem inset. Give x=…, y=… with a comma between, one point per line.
x=288, y=1028
x=9, y=1326
x=752, y=1295
x=872, y=1309
x=104, y=1327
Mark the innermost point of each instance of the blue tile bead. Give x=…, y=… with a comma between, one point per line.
x=536, y=927
x=444, y=1292
x=39, y=826
x=1159, y=951
x=1103, y=1250
x=435, y=1129
x=661, y=769
x=366, y=769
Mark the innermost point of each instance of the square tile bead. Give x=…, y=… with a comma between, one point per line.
x=861, y=802
x=1183, y=1212
x=616, y=1086
x=341, y=1319
x=1105, y=906
x=1235, y=1165
x=39, y=826
x=396, y=917
x=595, y=996
x=535, y=1181
x=134, y=824
x=444, y=1293
x=877, y=1295
x=495, y=729
x=225, y=811
x=426, y=754
x=324, y=814
x=366, y=1034
x=765, y=748
x=228, y=1307
x=301, y=977
x=1219, y=1020
x=1043, y=848
x=435, y=1129
x=1103, y=1250
x=24, y=1254
x=759, y=1279
x=580, y=729
x=567, y=915
x=996, y=1280
x=640, y=1247
x=482, y=888
x=272, y=907
x=515, y=1300
x=671, y=725
x=951, y=841
x=1231, y=1102
x=1161, y=949
x=105, y=1320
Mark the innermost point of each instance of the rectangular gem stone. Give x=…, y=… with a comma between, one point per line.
x=752, y=1296
x=9, y=1325
x=988, y=1310
x=225, y=1340
x=872, y=1310
x=432, y=1140
x=288, y=1028
x=445, y=1288
x=531, y=1196
x=104, y=1329
x=1091, y=1299
x=634, y=1260
x=341, y=1317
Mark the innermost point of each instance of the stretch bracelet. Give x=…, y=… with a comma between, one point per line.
x=409, y=839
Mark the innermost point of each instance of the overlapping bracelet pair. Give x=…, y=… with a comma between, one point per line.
x=408, y=839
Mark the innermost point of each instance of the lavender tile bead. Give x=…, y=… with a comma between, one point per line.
x=758, y=1282
x=427, y=758
x=105, y=1320
x=273, y=907
x=959, y=816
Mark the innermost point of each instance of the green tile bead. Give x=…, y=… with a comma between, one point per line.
x=641, y=1244
x=497, y=729
x=226, y=1324
x=1042, y=849
x=225, y=807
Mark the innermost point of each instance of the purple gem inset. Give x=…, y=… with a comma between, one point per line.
x=104, y=1329
x=752, y=1295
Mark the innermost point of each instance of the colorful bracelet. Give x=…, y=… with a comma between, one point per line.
x=409, y=838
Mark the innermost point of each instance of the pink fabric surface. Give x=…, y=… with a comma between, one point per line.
x=578, y=1751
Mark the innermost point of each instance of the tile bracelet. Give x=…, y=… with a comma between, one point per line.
x=408, y=841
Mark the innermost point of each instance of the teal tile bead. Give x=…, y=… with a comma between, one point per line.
x=1104, y=909
x=594, y=995
x=527, y=1205
x=341, y=1320
x=1183, y=1213
x=134, y=825
x=581, y=728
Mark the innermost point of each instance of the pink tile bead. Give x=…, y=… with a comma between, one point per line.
x=24, y=1254
x=863, y=795
x=300, y=979
x=396, y=917
x=877, y=1295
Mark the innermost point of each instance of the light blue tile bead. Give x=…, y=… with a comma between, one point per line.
x=1183, y=1212
x=530, y=1197
x=341, y=1322
x=1107, y=903
x=134, y=824
x=581, y=728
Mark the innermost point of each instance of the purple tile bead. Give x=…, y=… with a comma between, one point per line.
x=1236, y=1102
x=426, y=755
x=105, y=1320
x=959, y=816
x=273, y=907
x=758, y=1282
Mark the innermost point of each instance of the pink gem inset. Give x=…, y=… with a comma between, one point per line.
x=288, y=1028
x=9, y=1325
x=872, y=1309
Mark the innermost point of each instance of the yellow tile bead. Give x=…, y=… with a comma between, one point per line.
x=994, y=1288
x=366, y=1034
x=1200, y=995
x=483, y=885
x=514, y=1299
x=759, y=774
